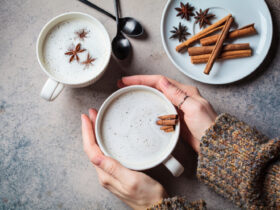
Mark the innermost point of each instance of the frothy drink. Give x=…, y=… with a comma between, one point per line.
x=128, y=130
x=64, y=37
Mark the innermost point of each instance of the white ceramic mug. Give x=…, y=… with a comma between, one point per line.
x=167, y=159
x=54, y=85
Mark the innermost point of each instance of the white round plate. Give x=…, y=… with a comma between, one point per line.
x=244, y=12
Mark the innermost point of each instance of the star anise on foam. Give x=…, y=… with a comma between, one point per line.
x=74, y=52
x=88, y=61
x=180, y=33
x=185, y=11
x=203, y=18
x=82, y=34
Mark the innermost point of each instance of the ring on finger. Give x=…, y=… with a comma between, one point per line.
x=181, y=103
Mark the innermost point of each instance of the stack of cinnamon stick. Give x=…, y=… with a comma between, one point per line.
x=168, y=122
x=213, y=47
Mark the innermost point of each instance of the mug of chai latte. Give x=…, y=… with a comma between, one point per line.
x=126, y=129
x=73, y=49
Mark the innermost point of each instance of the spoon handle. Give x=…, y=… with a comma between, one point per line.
x=98, y=8
x=117, y=15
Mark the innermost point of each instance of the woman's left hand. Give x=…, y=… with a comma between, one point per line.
x=136, y=189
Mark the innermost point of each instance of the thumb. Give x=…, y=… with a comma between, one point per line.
x=172, y=92
x=114, y=168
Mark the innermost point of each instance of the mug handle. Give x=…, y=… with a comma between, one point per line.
x=173, y=166
x=51, y=90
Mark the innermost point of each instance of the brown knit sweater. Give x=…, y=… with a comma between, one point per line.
x=239, y=163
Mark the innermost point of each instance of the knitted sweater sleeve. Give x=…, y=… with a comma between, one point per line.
x=240, y=163
x=178, y=203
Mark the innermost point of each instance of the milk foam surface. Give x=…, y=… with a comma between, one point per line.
x=61, y=38
x=129, y=131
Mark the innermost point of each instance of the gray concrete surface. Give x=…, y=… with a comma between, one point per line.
x=42, y=163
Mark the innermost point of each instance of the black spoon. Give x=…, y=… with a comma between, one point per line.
x=120, y=44
x=128, y=25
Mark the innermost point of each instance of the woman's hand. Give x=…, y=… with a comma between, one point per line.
x=136, y=189
x=196, y=113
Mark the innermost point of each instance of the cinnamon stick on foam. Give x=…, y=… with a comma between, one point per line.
x=224, y=56
x=218, y=47
x=170, y=116
x=166, y=127
x=167, y=122
x=244, y=31
x=169, y=130
x=214, y=27
x=208, y=49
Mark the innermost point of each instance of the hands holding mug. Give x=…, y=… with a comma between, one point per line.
x=135, y=188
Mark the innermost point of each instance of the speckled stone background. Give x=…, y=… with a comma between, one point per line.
x=42, y=163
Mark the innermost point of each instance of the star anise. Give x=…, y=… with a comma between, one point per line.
x=185, y=11
x=203, y=18
x=74, y=52
x=88, y=61
x=82, y=34
x=180, y=33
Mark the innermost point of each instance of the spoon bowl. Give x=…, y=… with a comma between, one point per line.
x=131, y=27
x=121, y=46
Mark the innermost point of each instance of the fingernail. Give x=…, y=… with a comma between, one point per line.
x=120, y=83
x=97, y=160
x=82, y=116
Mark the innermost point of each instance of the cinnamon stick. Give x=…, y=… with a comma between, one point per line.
x=224, y=56
x=208, y=49
x=171, y=116
x=218, y=47
x=202, y=33
x=244, y=31
x=167, y=122
x=166, y=127
x=169, y=130
x=247, y=26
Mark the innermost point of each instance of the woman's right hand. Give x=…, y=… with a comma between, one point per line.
x=195, y=112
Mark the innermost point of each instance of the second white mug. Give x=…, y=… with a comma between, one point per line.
x=59, y=79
